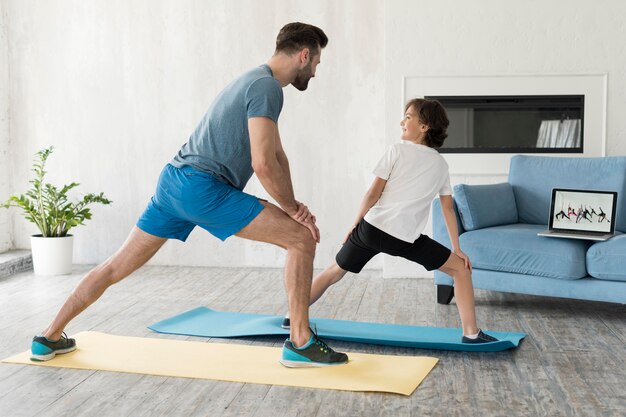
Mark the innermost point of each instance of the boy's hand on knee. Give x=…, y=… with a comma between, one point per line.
x=465, y=258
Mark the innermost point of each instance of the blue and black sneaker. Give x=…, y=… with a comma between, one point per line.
x=43, y=349
x=315, y=353
x=481, y=338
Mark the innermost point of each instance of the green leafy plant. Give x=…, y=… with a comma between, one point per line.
x=48, y=207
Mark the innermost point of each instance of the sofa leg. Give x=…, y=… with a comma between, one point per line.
x=445, y=294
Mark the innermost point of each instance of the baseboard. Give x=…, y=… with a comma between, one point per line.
x=15, y=261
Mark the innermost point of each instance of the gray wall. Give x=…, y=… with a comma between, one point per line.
x=5, y=224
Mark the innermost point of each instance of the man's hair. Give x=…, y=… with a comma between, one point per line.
x=434, y=115
x=294, y=37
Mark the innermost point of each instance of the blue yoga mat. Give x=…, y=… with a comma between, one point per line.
x=205, y=322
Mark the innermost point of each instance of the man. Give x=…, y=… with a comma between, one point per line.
x=202, y=186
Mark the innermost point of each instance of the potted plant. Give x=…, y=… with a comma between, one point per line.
x=54, y=215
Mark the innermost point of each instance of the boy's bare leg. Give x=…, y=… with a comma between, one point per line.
x=274, y=226
x=136, y=251
x=463, y=292
x=325, y=279
x=328, y=277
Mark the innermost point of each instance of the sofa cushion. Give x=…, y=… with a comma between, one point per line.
x=534, y=177
x=517, y=248
x=483, y=206
x=607, y=260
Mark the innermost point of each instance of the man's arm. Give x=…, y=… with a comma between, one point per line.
x=273, y=176
x=272, y=168
x=281, y=156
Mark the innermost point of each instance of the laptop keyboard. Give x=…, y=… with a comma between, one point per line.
x=578, y=232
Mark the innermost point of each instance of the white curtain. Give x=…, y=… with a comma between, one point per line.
x=559, y=134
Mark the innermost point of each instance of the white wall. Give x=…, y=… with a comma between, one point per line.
x=492, y=37
x=488, y=37
x=118, y=86
x=5, y=224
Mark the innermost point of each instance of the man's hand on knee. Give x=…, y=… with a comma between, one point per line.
x=307, y=219
x=313, y=228
x=302, y=214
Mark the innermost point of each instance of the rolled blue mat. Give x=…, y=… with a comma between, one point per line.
x=205, y=322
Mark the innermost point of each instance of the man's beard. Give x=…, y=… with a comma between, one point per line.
x=302, y=79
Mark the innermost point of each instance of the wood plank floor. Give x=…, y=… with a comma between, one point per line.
x=572, y=362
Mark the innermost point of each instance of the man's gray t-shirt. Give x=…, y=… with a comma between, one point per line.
x=220, y=145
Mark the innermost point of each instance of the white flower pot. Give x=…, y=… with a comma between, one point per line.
x=52, y=255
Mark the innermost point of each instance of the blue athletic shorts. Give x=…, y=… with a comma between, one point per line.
x=186, y=198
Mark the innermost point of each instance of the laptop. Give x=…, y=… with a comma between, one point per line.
x=582, y=214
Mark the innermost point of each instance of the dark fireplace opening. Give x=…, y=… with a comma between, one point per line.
x=514, y=124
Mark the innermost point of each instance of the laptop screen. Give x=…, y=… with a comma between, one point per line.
x=583, y=210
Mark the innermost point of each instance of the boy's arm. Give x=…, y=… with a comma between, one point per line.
x=447, y=209
x=371, y=197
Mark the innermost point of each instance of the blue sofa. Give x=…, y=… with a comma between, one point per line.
x=498, y=225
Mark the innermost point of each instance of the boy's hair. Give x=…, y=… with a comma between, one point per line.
x=293, y=37
x=434, y=115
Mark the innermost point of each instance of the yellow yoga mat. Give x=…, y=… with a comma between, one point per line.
x=236, y=363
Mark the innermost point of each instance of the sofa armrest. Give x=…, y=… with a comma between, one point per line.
x=440, y=231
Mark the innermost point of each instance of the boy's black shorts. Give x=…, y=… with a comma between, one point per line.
x=366, y=241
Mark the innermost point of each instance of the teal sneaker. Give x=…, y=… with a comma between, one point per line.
x=315, y=353
x=43, y=349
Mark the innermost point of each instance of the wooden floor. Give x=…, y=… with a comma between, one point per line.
x=573, y=361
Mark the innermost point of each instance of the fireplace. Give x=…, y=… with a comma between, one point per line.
x=514, y=124
x=496, y=116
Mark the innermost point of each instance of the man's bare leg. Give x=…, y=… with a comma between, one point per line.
x=135, y=252
x=274, y=226
x=463, y=292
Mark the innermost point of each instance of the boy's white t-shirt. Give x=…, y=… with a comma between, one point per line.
x=415, y=174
